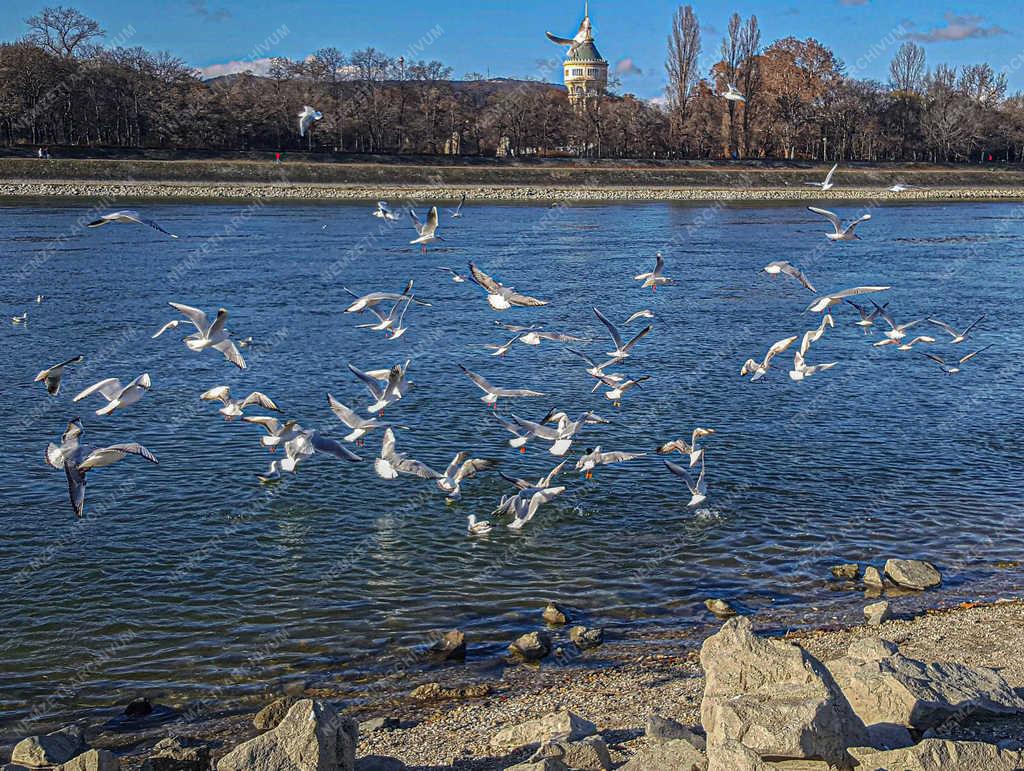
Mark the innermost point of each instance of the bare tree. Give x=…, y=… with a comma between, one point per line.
x=906, y=70
x=61, y=30
x=681, y=64
x=750, y=72
x=731, y=59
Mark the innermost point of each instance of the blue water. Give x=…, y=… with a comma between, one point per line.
x=191, y=580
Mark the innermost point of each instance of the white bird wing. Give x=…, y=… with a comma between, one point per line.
x=196, y=316
x=108, y=389
x=828, y=178
x=616, y=338
x=792, y=270
x=856, y=291
x=637, y=338
x=272, y=426
x=480, y=381
x=134, y=217
x=260, y=398
x=619, y=456
x=54, y=456
x=778, y=347
x=345, y=414
x=679, y=471
x=230, y=352
x=387, y=447
x=105, y=456
x=431, y=225
x=972, y=354
x=481, y=278
x=470, y=468
x=830, y=216
x=562, y=41
x=332, y=447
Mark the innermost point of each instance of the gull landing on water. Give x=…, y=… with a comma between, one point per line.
x=476, y=526
x=654, y=279
x=118, y=396
x=698, y=489
x=499, y=296
x=385, y=212
x=207, y=335
x=22, y=319
x=827, y=184
x=759, y=369
x=427, y=231
x=781, y=266
x=127, y=216
x=953, y=369
x=690, y=449
x=306, y=118
x=841, y=234
x=76, y=459
x=53, y=375
x=461, y=468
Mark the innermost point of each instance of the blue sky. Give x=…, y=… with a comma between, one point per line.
x=506, y=38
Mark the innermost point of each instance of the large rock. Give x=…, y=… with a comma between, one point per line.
x=562, y=725
x=664, y=729
x=554, y=615
x=884, y=686
x=775, y=698
x=436, y=692
x=675, y=754
x=547, y=764
x=913, y=574
x=939, y=755
x=451, y=646
x=92, y=760
x=273, y=713
x=532, y=646
x=731, y=755
x=876, y=613
x=49, y=749
x=872, y=578
x=590, y=754
x=311, y=737
x=175, y=754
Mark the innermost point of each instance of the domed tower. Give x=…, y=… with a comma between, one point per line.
x=584, y=71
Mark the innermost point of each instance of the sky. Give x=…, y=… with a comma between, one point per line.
x=507, y=38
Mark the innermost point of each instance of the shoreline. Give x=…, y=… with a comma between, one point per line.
x=312, y=192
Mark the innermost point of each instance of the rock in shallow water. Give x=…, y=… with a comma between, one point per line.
x=554, y=615
x=562, y=725
x=883, y=686
x=311, y=737
x=774, y=697
x=451, y=647
x=175, y=754
x=913, y=574
x=584, y=638
x=848, y=571
x=720, y=608
x=532, y=646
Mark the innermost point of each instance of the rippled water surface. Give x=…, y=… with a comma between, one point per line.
x=192, y=580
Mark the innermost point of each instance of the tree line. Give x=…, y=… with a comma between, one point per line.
x=60, y=86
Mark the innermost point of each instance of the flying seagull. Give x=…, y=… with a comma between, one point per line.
x=460, y=469
x=427, y=231
x=386, y=386
x=391, y=464
x=867, y=318
x=308, y=443
x=621, y=349
x=958, y=337
x=841, y=234
x=127, y=216
x=952, y=369
x=53, y=375
x=689, y=449
x=234, y=408
x=457, y=277
x=360, y=426
x=493, y=393
x=77, y=459
x=619, y=386
x=277, y=433
x=733, y=94
x=118, y=396
x=582, y=35
x=827, y=184
x=306, y=118
x=824, y=302
x=698, y=489
x=781, y=266
x=208, y=334
x=801, y=370
x=594, y=458
x=760, y=369
x=385, y=212
x=501, y=297
x=503, y=348
x=654, y=278
x=457, y=211
x=365, y=301
x=644, y=314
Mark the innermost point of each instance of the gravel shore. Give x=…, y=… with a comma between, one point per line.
x=508, y=193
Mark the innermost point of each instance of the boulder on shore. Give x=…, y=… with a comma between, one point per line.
x=775, y=698
x=273, y=713
x=532, y=646
x=563, y=725
x=451, y=646
x=664, y=729
x=876, y=613
x=913, y=574
x=584, y=638
x=590, y=754
x=939, y=755
x=175, y=754
x=884, y=686
x=872, y=578
x=49, y=749
x=675, y=754
x=92, y=760
x=436, y=691
x=311, y=737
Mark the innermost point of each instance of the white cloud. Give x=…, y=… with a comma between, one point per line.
x=255, y=66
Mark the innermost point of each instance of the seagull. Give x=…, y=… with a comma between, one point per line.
x=958, y=337
x=53, y=375
x=117, y=395
x=493, y=393
x=520, y=435
x=621, y=350
x=867, y=318
x=76, y=460
x=619, y=386
x=477, y=527
x=127, y=216
x=385, y=212
x=527, y=502
x=386, y=386
x=841, y=234
x=644, y=314
x=374, y=298
x=826, y=301
x=814, y=335
x=501, y=350
x=690, y=449
x=698, y=490
x=386, y=323
x=390, y=463
x=654, y=279
x=897, y=331
x=306, y=118
x=461, y=468
x=308, y=443
x=597, y=371
x=541, y=484
x=781, y=266
x=428, y=231
x=904, y=346
x=827, y=184
x=577, y=40
x=208, y=335
x=502, y=297
x=22, y=319
x=955, y=368
x=39, y=299
x=457, y=277
x=801, y=370
x=594, y=458
x=273, y=474
x=277, y=433
x=534, y=337
x=561, y=436
x=234, y=408
x=360, y=426
x=457, y=211
x=901, y=187
x=760, y=369
x=733, y=94
x=245, y=342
